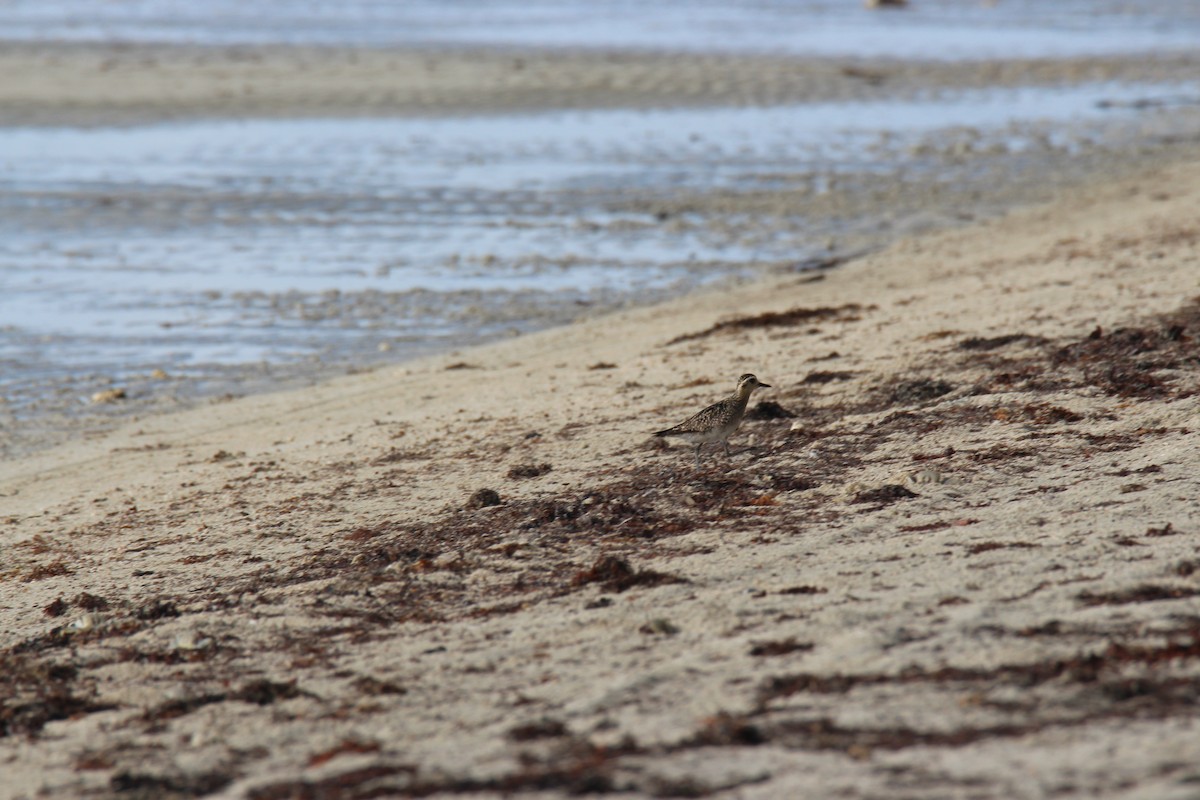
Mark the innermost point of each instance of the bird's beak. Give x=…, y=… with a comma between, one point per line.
x=762, y=385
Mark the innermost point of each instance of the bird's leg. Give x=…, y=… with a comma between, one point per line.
x=726, y=443
x=698, y=453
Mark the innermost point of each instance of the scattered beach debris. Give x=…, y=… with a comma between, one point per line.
x=826, y=376
x=919, y=390
x=544, y=728
x=370, y=685
x=768, y=410
x=780, y=647
x=108, y=396
x=190, y=640
x=994, y=342
x=56, y=608
x=615, y=574
x=1147, y=593
x=483, y=498
x=523, y=471
x=90, y=602
x=660, y=626
x=157, y=609
x=884, y=495
x=795, y=316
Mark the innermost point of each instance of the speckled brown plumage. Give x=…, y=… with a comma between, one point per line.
x=717, y=422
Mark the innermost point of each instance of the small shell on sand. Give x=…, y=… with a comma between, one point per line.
x=925, y=476
x=190, y=640
x=108, y=396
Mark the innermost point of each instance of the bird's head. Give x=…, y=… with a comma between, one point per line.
x=748, y=383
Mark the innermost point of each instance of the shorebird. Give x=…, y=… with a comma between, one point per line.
x=717, y=422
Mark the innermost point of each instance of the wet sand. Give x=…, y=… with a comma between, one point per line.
x=85, y=84
x=956, y=558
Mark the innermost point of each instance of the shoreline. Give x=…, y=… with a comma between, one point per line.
x=961, y=178
x=977, y=529
x=900, y=210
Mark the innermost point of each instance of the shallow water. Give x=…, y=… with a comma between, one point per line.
x=947, y=29
x=176, y=246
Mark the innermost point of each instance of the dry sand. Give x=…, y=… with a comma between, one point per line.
x=968, y=567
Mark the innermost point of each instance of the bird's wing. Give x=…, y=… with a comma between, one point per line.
x=696, y=423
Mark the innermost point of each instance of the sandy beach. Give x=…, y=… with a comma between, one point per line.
x=953, y=553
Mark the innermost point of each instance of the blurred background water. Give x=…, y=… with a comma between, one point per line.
x=929, y=28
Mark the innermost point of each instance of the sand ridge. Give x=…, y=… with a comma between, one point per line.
x=51, y=83
x=966, y=566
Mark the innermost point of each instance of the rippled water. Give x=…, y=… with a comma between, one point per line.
x=926, y=29
x=166, y=246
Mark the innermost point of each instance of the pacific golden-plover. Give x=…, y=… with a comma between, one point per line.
x=717, y=422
